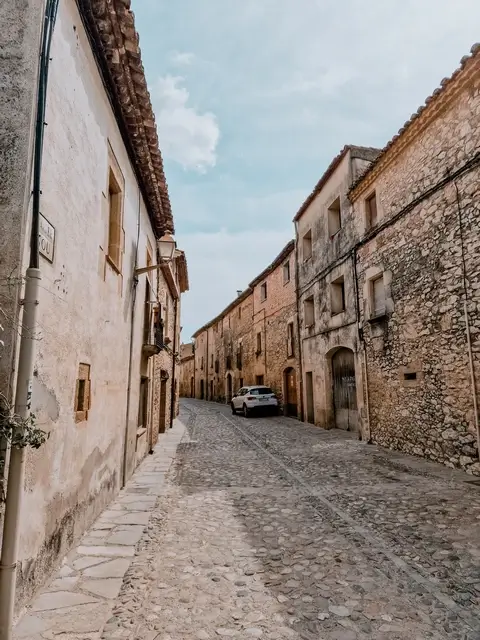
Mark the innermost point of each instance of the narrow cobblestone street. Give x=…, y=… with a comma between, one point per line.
x=268, y=528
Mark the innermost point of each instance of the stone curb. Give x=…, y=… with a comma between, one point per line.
x=80, y=597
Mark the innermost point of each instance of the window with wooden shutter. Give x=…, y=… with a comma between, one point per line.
x=82, y=393
x=115, y=215
x=378, y=296
x=309, y=312
x=290, y=340
x=371, y=210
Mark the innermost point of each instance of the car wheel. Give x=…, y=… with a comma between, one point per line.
x=234, y=411
x=246, y=411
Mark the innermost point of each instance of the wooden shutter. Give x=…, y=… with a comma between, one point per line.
x=378, y=295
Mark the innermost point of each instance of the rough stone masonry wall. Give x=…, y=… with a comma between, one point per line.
x=431, y=416
x=272, y=317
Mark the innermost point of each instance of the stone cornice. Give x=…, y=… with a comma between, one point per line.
x=110, y=26
x=435, y=104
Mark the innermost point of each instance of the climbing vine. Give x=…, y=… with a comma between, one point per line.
x=20, y=432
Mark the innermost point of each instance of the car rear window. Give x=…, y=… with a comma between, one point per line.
x=260, y=391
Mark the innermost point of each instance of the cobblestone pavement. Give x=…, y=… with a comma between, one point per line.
x=268, y=528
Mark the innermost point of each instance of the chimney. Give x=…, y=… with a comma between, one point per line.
x=239, y=293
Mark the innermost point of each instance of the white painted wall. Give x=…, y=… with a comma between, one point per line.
x=84, y=311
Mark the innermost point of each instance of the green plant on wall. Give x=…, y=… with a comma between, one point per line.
x=20, y=432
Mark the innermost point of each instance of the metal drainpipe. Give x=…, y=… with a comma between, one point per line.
x=300, y=344
x=173, y=398
x=362, y=341
x=130, y=353
x=467, y=322
x=23, y=392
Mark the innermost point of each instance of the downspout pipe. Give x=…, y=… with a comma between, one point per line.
x=23, y=391
x=174, y=357
x=300, y=345
x=130, y=351
x=467, y=321
x=366, y=433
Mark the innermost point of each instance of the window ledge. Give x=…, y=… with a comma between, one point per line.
x=114, y=266
x=380, y=317
x=141, y=431
x=338, y=313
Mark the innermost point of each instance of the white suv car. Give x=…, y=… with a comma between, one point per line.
x=257, y=398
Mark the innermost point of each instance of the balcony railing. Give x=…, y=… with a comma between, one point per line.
x=153, y=341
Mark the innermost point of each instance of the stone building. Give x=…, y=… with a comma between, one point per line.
x=104, y=379
x=254, y=340
x=327, y=306
x=275, y=337
x=187, y=371
x=417, y=209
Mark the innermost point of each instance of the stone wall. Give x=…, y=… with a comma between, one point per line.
x=226, y=354
x=419, y=382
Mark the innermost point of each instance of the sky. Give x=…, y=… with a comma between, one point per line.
x=253, y=99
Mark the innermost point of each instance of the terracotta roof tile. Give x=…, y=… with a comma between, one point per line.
x=110, y=25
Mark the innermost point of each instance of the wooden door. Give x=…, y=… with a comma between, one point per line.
x=291, y=406
x=344, y=390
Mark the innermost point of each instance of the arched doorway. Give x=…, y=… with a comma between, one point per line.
x=290, y=383
x=229, y=388
x=344, y=390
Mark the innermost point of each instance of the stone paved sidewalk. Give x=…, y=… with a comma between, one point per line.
x=79, y=600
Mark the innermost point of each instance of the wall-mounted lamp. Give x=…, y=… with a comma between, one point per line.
x=166, y=250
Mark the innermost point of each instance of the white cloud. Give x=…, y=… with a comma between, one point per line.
x=219, y=264
x=186, y=136
x=182, y=58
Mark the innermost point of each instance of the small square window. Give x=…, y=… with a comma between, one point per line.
x=334, y=218
x=410, y=375
x=263, y=292
x=307, y=246
x=286, y=272
x=82, y=393
x=309, y=312
x=337, y=296
x=371, y=210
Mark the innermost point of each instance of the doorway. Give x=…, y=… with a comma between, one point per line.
x=344, y=390
x=229, y=388
x=310, y=400
x=162, y=418
x=202, y=390
x=192, y=387
x=211, y=391
x=291, y=405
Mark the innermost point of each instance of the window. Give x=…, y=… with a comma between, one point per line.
x=211, y=361
x=167, y=313
x=290, y=340
x=259, y=380
x=337, y=296
x=378, y=297
x=410, y=375
x=217, y=366
x=241, y=383
x=334, y=218
x=307, y=246
x=82, y=393
x=239, y=312
x=371, y=210
x=286, y=272
x=115, y=214
x=263, y=292
x=309, y=312
x=239, y=356
x=262, y=390
x=259, y=343
x=143, y=405
x=201, y=364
